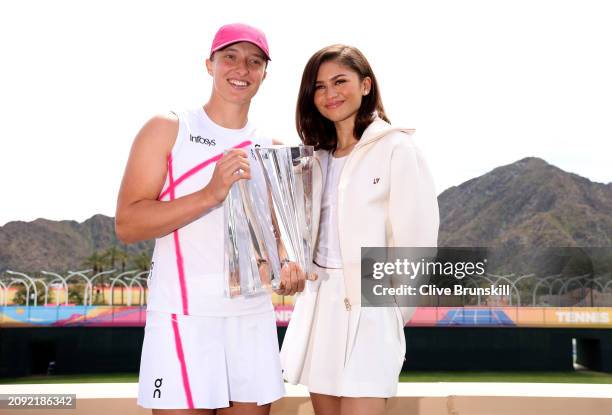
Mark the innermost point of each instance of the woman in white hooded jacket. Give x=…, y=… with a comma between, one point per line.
x=371, y=187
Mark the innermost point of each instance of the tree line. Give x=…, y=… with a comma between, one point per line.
x=112, y=258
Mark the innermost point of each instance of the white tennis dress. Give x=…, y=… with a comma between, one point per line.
x=201, y=349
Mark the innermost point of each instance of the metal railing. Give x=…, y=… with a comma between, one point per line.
x=57, y=288
x=525, y=290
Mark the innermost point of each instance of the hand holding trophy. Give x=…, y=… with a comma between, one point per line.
x=268, y=223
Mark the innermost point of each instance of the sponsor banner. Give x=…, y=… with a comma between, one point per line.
x=68, y=316
x=283, y=315
x=134, y=316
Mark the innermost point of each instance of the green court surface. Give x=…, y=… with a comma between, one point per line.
x=582, y=376
x=87, y=378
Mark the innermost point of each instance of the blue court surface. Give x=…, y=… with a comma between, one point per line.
x=475, y=317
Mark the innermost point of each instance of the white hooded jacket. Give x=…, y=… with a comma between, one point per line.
x=386, y=197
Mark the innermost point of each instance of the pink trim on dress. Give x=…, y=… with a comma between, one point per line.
x=196, y=169
x=177, y=247
x=181, y=357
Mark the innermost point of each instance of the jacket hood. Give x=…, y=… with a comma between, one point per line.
x=377, y=130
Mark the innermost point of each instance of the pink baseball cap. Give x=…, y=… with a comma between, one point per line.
x=239, y=32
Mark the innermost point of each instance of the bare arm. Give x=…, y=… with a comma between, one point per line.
x=139, y=214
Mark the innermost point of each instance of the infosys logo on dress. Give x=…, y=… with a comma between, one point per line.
x=202, y=140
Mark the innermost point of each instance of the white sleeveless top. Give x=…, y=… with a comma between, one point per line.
x=328, y=253
x=187, y=269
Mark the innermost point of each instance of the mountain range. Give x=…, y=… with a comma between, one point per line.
x=533, y=218
x=59, y=245
x=529, y=202
x=526, y=203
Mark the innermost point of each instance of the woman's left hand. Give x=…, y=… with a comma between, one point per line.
x=292, y=281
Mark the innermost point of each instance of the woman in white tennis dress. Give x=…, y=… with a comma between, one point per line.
x=202, y=352
x=371, y=188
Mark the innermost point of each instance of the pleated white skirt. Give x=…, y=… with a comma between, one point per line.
x=340, y=352
x=207, y=362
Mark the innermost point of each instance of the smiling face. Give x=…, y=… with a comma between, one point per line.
x=339, y=91
x=237, y=70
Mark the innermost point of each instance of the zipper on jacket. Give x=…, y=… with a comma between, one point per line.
x=347, y=301
x=358, y=146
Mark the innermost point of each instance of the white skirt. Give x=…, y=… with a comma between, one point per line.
x=206, y=362
x=356, y=353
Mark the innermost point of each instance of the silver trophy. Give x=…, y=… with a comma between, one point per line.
x=268, y=219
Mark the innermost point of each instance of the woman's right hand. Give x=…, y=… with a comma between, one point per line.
x=233, y=166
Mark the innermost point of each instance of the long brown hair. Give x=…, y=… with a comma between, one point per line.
x=312, y=127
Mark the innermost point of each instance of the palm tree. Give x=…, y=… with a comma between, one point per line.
x=95, y=261
x=113, y=254
x=123, y=258
x=142, y=261
x=75, y=294
x=20, y=295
